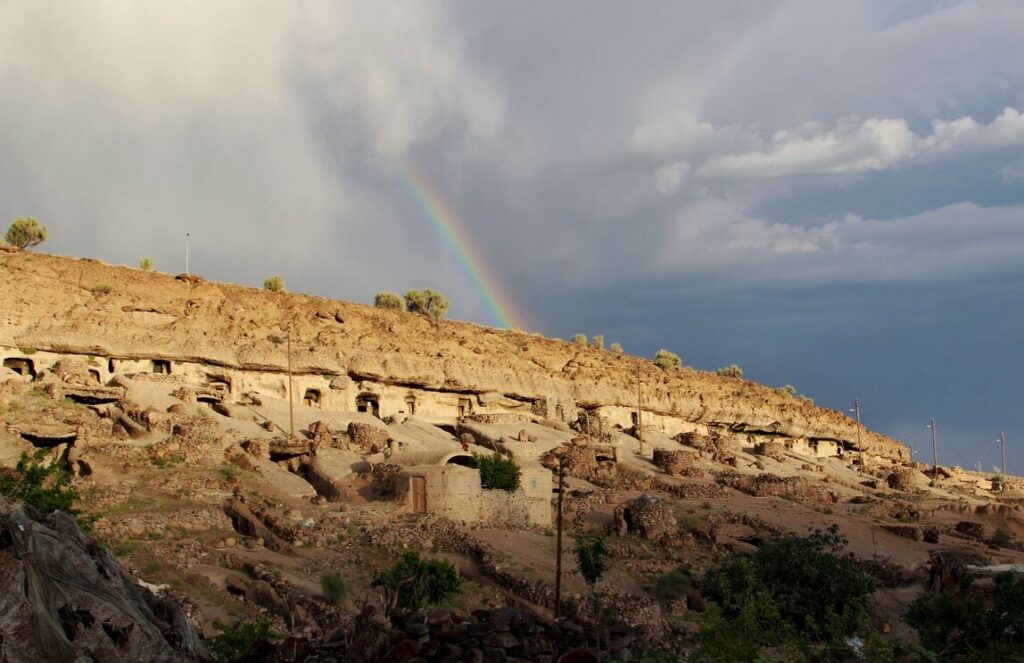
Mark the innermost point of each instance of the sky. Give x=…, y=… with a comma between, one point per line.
x=830, y=195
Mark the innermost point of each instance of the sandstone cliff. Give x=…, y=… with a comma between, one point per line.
x=87, y=307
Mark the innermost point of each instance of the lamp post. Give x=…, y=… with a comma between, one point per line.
x=860, y=447
x=935, y=451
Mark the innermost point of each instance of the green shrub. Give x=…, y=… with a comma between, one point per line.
x=274, y=283
x=146, y=265
x=591, y=553
x=388, y=300
x=236, y=641
x=1002, y=538
x=26, y=233
x=730, y=371
x=579, y=339
x=792, y=590
x=789, y=391
x=497, y=472
x=615, y=348
x=46, y=487
x=426, y=302
x=672, y=586
x=597, y=342
x=961, y=625
x=666, y=360
x=332, y=584
x=414, y=583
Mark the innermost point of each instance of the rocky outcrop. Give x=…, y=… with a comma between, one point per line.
x=65, y=598
x=49, y=305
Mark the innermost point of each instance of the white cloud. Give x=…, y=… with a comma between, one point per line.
x=946, y=243
x=855, y=146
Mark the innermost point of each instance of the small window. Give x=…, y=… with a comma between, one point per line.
x=162, y=366
x=410, y=405
x=110, y=366
x=465, y=407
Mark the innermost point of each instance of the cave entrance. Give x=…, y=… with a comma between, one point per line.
x=219, y=383
x=465, y=408
x=369, y=404
x=311, y=398
x=162, y=366
x=410, y=405
x=21, y=366
x=95, y=375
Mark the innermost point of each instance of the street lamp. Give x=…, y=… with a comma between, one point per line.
x=860, y=448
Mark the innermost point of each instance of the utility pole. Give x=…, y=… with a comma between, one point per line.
x=860, y=448
x=291, y=398
x=187, y=235
x=935, y=451
x=639, y=412
x=1002, y=444
x=558, y=539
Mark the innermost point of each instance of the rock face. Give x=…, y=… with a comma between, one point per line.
x=49, y=305
x=65, y=598
x=646, y=515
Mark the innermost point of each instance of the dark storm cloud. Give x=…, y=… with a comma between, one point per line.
x=775, y=183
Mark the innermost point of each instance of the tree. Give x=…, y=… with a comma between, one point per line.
x=388, y=300
x=597, y=342
x=579, y=339
x=26, y=233
x=146, y=265
x=497, y=472
x=615, y=348
x=414, y=582
x=666, y=360
x=792, y=588
x=426, y=302
x=591, y=553
x=46, y=488
x=730, y=371
x=967, y=624
x=273, y=283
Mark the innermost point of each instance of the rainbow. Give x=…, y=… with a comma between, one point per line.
x=471, y=259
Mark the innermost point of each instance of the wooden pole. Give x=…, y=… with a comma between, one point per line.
x=291, y=399
x=558, y=540
x=639, y=412
x=860, y=447
x=935, y=452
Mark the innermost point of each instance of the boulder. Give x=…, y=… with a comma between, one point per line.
x=67, y=599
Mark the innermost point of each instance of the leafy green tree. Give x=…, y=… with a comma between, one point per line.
x=497, y=472
x=234, y=642
x=666, y=360
x=426, y=302
x=414, y=583
x=730, y=371
x=792, y=589
x=146, y=265
x=579, y=339
x=26, y=232
x=46, y=487
x=273, y=283
x=597, y=342
x=615, y=348
x=388, y=300
x=961, y=625
x=591, y=552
